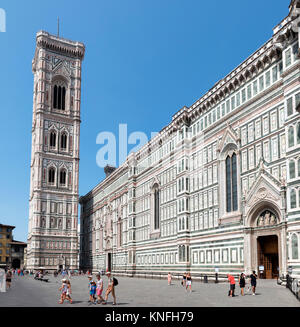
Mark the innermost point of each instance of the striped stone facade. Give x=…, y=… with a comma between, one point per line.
x=210, y=215
x=53, y=204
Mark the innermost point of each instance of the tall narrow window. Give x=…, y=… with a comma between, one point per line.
x=52, y=139
x=291, y=136
x=289, y=106
x=293, y=199
x=55, y=97
x=59, y=97
x=295, y=254
x=63, y=98
x=51, y=175
x=231, y=184
x=288, y=58
x=156, y=209
x=292, y=169
x=63, y=141
x=228, y=185
x=298, y=133
x=62, y=177
x=234, y=182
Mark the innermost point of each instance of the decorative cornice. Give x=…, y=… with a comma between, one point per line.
x=60, y=45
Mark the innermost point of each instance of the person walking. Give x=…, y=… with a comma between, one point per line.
x=92, y=292
x=8, y=279
x=183, y=282
x=63, y=289
x=110, y=288
x=69, y=292
x=253, y=278
x=89, y=286
x=99, y=288
x=231, y=281
x=242, y=283
x=188, y=282
x=169, y=278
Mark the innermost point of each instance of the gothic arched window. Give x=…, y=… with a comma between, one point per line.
x=51, y=175
x=52, y=139
x=59, y=97
x=156, y=208
x=231, y=183
x=295, y=253
x=62, y=177
x=63, y=141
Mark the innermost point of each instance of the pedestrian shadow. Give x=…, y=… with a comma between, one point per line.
x=75, y=302
x=111, y=303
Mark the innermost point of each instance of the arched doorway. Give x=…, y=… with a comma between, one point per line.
x=264, y=241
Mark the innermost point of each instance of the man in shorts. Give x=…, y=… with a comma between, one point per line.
x=232, y=285
x=110, y=289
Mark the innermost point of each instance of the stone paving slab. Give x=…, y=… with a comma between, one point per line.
x=138, y=292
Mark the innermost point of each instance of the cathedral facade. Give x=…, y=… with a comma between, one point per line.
x=53, y=204
x=218, y=189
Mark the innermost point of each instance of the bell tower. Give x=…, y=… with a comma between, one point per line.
x=53, y=202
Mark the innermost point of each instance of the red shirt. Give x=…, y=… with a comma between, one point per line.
x=231, y=280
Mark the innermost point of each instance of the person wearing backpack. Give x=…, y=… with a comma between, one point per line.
x=112, y=282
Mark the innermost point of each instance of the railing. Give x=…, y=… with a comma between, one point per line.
x=197, y=277
x=293, y=285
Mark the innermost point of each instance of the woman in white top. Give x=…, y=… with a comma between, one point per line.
x=99, y=288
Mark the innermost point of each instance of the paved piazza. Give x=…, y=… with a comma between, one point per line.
x=138, y=292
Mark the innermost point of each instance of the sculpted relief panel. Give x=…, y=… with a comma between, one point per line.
x=267, y=218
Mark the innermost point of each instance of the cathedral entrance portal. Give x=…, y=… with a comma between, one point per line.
x=267, y=252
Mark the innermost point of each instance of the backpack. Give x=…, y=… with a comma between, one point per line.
x=115, y=281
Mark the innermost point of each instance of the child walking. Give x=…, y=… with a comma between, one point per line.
x=63, y=289
x=69, y=292
x=92, y=292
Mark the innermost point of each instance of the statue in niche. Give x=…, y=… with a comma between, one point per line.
x=273, y=220
x=267, y=218
x=59, y=223
x=261, y=221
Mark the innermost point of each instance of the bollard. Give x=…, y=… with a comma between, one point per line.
x=216, y=281
x=205, y=279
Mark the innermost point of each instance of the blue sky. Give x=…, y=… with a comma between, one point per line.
x=144, y=61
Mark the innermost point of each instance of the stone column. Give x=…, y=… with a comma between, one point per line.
x=247, y=252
